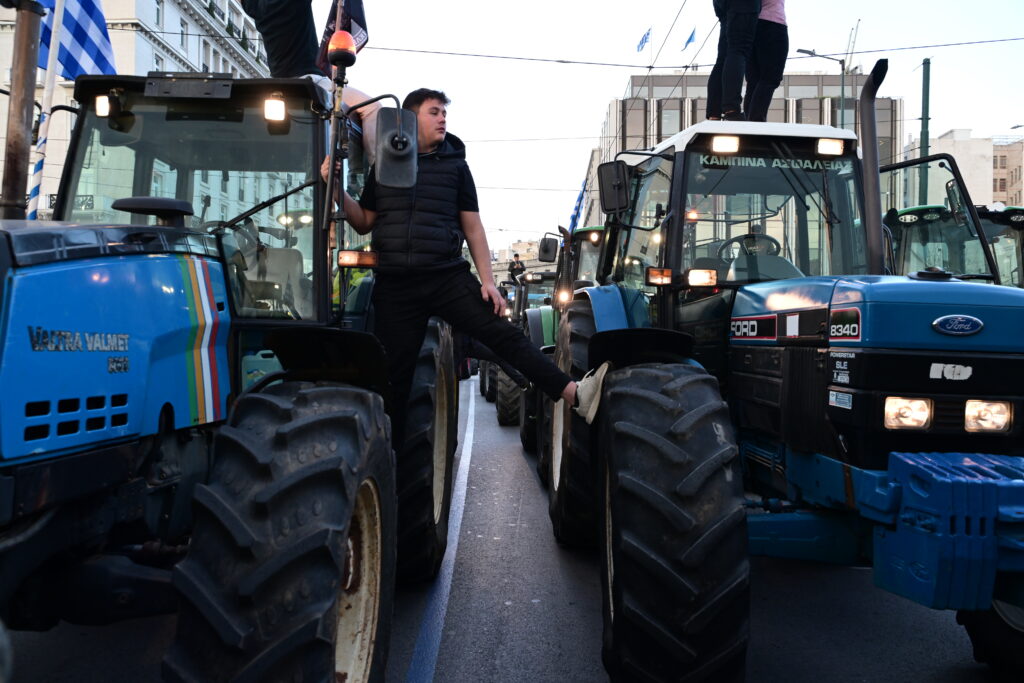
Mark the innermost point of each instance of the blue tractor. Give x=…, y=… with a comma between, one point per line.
x=193, y=411
x=780, y=387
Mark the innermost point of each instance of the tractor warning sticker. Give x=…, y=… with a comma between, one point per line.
x=840, y=399
x=844, y=324
x=753, y=327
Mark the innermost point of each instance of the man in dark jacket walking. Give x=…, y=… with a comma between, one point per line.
x=418, y=236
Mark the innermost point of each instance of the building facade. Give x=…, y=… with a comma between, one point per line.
x=661, y=105
x=146, y=35
x=1008, y=170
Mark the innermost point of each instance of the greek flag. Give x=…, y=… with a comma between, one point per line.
x=84, y=41
x=643, y=41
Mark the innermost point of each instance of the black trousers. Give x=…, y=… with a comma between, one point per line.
x=735, y=42
x=404, y=302
x=765, y=68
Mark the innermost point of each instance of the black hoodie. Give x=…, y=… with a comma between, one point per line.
x=419, y=228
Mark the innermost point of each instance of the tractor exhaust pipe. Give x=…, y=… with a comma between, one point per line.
x=19, y=120
x=869, y=157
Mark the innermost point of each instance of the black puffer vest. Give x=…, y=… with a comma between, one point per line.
x=419, y=228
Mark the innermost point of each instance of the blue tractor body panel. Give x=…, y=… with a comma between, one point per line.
x=617, y=308
x=95, y=349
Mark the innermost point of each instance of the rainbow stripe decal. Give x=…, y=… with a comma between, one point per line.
x=203, y=385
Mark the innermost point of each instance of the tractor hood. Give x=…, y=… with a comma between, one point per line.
x=892, y=312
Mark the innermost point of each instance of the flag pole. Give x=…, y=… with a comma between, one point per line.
x=47, y=105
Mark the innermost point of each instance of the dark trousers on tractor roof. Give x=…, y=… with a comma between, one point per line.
x=404, y=302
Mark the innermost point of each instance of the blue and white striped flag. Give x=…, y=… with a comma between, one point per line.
x=84, y=41
x=575, y=219
x=643, y=41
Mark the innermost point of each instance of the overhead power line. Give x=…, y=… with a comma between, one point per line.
x=553, y=60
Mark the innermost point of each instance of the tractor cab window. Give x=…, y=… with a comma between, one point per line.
x=588, y=254
x=1005, y=233
x=925, y=213
x=773, y=209
x=640, y=246
x=249, y=180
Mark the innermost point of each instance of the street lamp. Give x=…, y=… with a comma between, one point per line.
x=842, y=82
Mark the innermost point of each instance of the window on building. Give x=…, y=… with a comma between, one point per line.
x=158, y=63
x=159, y=7
x=1002, y=162
x=801, y=91
x=995, y=162
x=184, y=33
x=1002, y=184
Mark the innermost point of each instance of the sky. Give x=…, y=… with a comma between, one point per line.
x=529, y=126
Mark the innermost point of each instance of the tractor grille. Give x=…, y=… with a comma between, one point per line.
x=69, y=416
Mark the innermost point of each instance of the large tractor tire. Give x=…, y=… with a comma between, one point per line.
x=528, y=407
x=572, y=498
x=997, y=635
x=675, y=571
x=545, y=409
x=482, y=371
x=507, y=400
x=492, y=382
x=290, y=570
x=427, y=459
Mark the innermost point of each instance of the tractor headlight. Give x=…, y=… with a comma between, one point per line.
x=564, y=296
x=907, y=413
x=987, y=416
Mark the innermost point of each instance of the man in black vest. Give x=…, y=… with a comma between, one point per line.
x=418, y=236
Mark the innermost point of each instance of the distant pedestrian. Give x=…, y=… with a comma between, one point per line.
x=767, y=60
x=515, y=268
x=737, y=24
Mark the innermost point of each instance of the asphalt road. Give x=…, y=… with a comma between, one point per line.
x=510, y=605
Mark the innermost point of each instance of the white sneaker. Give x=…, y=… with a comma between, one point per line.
x=588, y=392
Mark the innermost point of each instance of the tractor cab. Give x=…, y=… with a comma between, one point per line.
x=240, y=163
x=1004, y=231
x=577, y=261
x=928, y=224
x=533, y=290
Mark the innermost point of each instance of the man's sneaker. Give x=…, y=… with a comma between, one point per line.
x=588, y=392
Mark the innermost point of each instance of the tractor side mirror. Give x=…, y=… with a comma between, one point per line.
x=547, y=252
x=396, y=148
x=613, y=184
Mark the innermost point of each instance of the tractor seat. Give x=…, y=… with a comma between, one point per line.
x=761, y=267
x=280, y=280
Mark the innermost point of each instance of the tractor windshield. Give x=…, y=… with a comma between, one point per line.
x=776, y=208
x=225, y=158
x=928, y=222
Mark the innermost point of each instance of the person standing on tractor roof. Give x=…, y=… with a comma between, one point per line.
x=767, y=61
x=737, y=25
x=515, y=268
x=289, y=38
x=418, y=235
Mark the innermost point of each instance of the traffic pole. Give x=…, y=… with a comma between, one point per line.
x=19, y=119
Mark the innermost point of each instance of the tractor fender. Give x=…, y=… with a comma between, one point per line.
x=640, y=345
x=329, y=353
x=617, y=307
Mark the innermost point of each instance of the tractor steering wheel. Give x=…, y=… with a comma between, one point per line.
x=749, y=245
